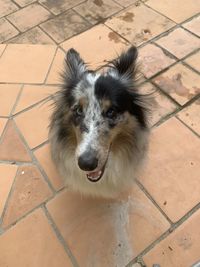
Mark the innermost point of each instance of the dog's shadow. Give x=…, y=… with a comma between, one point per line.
x=109, y=232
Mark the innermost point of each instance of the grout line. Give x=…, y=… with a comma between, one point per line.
x=4, y=130
x=41, y=102
x=59, y=236
x=60, y=13
x=17, y=100
x=178, y=23
x=3, y=230
x=54, y=42
x=21, y=31
x=189, y=31
x=7, y=18
x=186, y=125
x=50, y=65
x=34, y=159
x=148, y=195
x=40, y=145
x=8, y=198
x=167, y=233
x=3, y=51
x=16, y=5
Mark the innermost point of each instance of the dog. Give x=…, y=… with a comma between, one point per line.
x=99, y=128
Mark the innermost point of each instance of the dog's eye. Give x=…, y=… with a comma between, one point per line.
x=111, y=113
x=78, y=111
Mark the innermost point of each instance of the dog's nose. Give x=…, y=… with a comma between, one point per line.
x=88, y=161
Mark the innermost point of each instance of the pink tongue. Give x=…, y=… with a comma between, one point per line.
x=93, y=174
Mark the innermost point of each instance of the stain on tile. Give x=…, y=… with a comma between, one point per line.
x=114, y=37
x=175, y=84
x=128, y=17
x=107, y=45
x=98, y=2
x=136, y=30
x=97, y=10
x=179, y=82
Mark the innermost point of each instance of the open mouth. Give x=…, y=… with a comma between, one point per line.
x=96, y=175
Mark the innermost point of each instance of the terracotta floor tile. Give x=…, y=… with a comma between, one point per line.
x=57, y=7
x=193, y=25
x=181, y=248
x=56, y=68
x=176, y=10
x=34, y=63
x=8, y=173
x=97, y=10
x=30, y=190
x=24, y=2
x=33, y=36
x=190, y=115
x=11, y=146
x=2, y=48
x=179, y=42
x=180, y=83
x=161, y=105
x=126, y=226
x=70, y=23
x=194, y=60
x=137, y=31
x=2, y=125
x=172, y=173
x=31, y=94
x=153, y=60
x=7, y=30
x=7, y=7
x=107, y=45
x=126, y=3
x=32, y=243
x=43, y=156
x=8, y=96
x=29, y=17
x=37, y=132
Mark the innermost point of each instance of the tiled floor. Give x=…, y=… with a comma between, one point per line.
x=42, y=224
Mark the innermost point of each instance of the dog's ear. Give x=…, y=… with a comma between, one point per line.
x=75, y=67
x=125, y=65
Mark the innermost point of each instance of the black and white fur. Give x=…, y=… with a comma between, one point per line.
x=99, y=130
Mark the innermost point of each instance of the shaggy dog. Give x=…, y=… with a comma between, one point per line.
x=99, y=130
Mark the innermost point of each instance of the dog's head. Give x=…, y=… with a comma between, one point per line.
x=103, y=110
